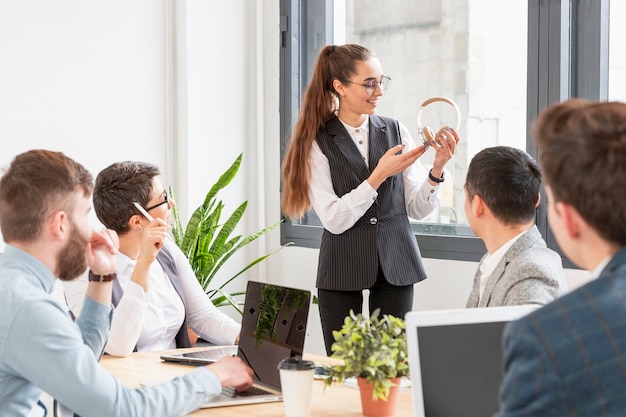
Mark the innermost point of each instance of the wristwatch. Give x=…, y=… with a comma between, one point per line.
x=435, y=179
x=102, y=278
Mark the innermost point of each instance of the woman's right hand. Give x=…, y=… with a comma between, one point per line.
x=394, y=162
x=152, y=240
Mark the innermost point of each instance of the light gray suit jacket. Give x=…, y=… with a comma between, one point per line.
x=528, y=273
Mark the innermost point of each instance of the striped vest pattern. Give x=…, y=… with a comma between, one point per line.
x=382, y=237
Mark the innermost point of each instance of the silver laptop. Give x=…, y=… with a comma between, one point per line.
x=273, y=327
x=201, y=357
x=455, y=359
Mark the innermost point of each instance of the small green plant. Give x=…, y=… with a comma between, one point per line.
x=373, y=348
x=208, y=243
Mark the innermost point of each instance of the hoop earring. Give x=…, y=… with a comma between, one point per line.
x=426, y=134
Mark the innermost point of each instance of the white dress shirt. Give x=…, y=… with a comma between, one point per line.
x=338, y=214
x=598, y=270
x=150, y=320
x=488, y=265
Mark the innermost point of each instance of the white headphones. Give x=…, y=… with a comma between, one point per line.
x=425, y=132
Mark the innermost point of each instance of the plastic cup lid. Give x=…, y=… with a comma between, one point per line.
x=295, y=363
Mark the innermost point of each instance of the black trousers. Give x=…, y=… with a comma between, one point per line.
x=334, y=306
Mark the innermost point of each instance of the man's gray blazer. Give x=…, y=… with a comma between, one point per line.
x=528, y=273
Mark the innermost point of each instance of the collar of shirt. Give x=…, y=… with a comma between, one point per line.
x=40, y=275
x=598, y=270
x=125, y=267
x=490, y=262
x=365, y=126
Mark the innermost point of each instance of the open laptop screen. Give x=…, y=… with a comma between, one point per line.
x=273, y=327
x=455, y=359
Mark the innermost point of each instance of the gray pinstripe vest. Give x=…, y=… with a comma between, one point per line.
x=383, y=236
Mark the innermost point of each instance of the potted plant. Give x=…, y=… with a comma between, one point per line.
x=374, y=351
x=208, y=241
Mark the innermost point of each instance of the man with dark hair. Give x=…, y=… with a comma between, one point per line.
x=569, y=357
x=44, y=207
x=501, y=195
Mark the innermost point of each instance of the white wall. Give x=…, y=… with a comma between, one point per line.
x=219, y=84
x=187, y=85
x=83, y=78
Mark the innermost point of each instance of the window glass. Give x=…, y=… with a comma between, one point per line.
x=617, y=51
x=453, y=49
x=458, y=50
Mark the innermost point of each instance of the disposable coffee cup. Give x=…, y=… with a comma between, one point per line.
x=296, y=381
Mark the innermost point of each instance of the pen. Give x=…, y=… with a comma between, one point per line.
x=143, y=211
x=147, y=215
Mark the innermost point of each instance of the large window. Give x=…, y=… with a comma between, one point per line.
x=617, y=51
x=500, y=71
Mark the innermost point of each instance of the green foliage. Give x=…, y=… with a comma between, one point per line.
x=373, y=348
x=208, y=242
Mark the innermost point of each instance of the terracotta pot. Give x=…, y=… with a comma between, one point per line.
x=378, y=408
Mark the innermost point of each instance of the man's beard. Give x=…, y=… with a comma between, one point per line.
x=72, y=260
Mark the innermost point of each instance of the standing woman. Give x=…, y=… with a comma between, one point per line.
x=358, y=171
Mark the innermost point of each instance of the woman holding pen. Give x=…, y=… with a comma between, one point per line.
x=157, y=296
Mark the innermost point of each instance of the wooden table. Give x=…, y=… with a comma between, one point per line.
x=338, y=400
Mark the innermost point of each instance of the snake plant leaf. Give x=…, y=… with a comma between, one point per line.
x=251, y=264
x=190, y=234
x=221, y=298
x=222, y=182
x=225, y=256
x=219, y=245
x=208, y=241
x=177, y=233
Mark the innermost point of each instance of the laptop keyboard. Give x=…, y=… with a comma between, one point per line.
x=250, y=392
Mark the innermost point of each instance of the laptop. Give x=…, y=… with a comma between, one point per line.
x=273, y=327
x=455, y=359
x=201, y=357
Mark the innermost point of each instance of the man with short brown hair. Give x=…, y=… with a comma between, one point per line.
x=44, y=207
x=569, y=357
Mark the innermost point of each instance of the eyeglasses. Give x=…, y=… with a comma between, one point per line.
x=165, y=201
x=371, y=85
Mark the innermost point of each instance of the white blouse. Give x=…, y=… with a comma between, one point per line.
x=150, y=320
x=338, y=214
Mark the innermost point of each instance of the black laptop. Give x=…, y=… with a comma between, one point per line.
x=273, y=327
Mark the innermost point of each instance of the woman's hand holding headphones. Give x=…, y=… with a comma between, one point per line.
x=446, y=140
